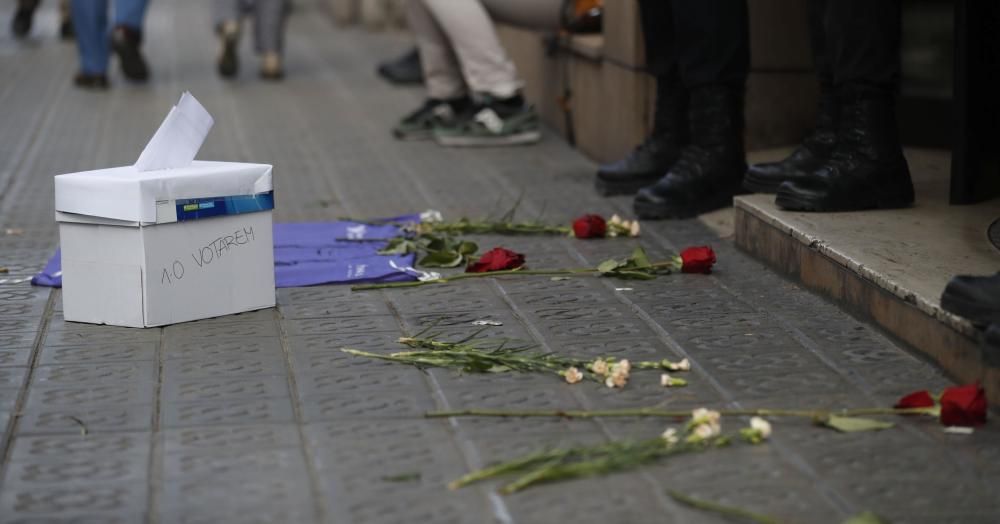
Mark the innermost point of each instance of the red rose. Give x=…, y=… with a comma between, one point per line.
x=919, y=399
x=963, y=406
x=496, y=259
x=590, y=226
x=698, y=259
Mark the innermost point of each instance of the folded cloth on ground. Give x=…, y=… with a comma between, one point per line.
x=313, y=253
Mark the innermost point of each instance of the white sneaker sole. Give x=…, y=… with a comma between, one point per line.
x=524, y=138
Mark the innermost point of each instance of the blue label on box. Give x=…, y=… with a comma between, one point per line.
x=196, y=208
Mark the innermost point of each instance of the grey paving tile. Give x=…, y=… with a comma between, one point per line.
x=194, y=348
x=353, y=382
x=18, y=325
x=95, y=499
x=206, y=439
x=538, y=397
x=17, y=340
x=221, y=328
x=86, y=354
x=233, y=411
x=225, y=388
x=222, y=367
x=333, y=342
x=79, y=470
x=373, y=324
x=85, y=419
x=84, y=394
x=12, y=378
x=394, y=403
x=352, y=308
x=102, y=373
x=49, y=448
x=85, y=334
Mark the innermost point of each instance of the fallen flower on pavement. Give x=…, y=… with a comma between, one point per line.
x=702, y=434
x=496, y=259
x=962, y=406
x=483, y=355
x=635, y=267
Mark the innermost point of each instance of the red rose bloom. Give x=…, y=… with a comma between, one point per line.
x=698, y=260
x=590, y=226
x=919, y=399
x=963, y=406
x=496, y=259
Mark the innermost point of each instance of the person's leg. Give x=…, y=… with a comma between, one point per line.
x=126, y=38
x=66, y=31
x=540, y=15
x=226, y=15
x=817, y=146
x=711, y=39
x=269, y=36
x=446, y=89
x=867, y=168
x=442, y=73
x=24, y=15
x=91, y=19
x=651, y=159
x=471, y=35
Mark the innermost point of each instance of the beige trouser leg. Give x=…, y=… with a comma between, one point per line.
x=459, y=46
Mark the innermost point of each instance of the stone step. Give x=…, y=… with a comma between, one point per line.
x=888, y=267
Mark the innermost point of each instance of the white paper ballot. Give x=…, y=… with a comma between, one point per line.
x=179, y=137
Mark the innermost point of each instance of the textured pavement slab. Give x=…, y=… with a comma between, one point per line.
x=260, y=418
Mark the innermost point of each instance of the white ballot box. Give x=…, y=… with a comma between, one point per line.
x=169, y=239
x=161, y=247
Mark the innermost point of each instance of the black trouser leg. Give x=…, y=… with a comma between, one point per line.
x=712, y=42
x=863, y=38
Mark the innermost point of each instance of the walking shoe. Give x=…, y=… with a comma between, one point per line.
x=867, y=169
x=420, y=124
x=809, y=156
x=710, y=169
x=228, y=63
x=270, y=66
x=24, y=15
x=66, y=31
x=87, y=81
x=974, y=298
x=125, y=42
x=493, y=122
x=405, y=69
x=651, y=160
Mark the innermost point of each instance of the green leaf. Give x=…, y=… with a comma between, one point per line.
x=467, y=248
x=442, y=259
x=609, y=265
x=865, y=518
x=854, y=424
x=399, y=246
x=639, y=258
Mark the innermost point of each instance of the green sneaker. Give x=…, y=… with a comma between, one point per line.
x=492, y=124
x=420, y=124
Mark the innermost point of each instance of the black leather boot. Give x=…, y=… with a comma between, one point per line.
x=710, y=169
x=812, y=153
x=975, y=298
x=24, y=14
x=651, y=159
x=866, y=170
x=405, y=69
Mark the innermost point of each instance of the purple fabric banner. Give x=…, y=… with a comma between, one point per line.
x=313, y=253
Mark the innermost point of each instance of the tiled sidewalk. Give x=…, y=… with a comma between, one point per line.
x=260, y=418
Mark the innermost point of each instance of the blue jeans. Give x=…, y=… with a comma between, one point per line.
x=90, y=19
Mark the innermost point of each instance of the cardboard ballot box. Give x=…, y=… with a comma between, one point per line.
x=152, y=248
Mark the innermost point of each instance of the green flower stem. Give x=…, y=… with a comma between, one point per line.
x=508, y=467
x=669, y=264
x=721, y=509
x=652, y=412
